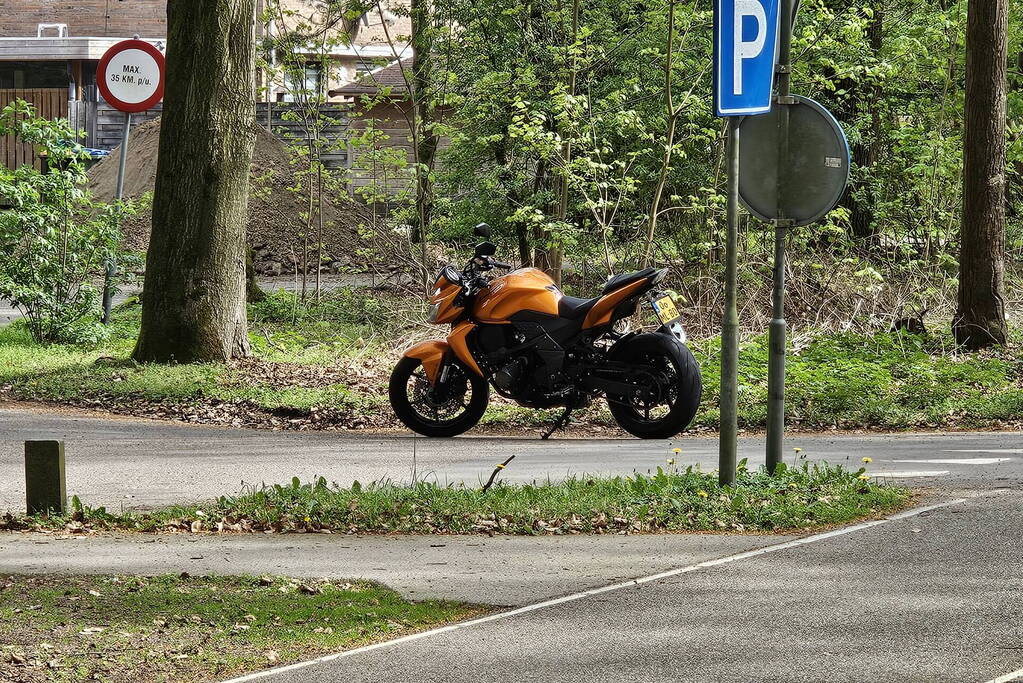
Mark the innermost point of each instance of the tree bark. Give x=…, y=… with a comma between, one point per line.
x=427, y=140
x=194, y=293
x=980, y=319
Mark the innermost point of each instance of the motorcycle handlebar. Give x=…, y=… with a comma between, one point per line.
x=498, y=264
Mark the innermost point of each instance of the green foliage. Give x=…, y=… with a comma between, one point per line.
x=892, y=381
x=54, y=240
x=670, y=499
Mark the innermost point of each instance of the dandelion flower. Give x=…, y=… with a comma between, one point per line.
x=676, y=451
x=798, y=450
x=671, y=461
x=792, y=485
x=868, y=459
x=701, y=493
x=864, y=477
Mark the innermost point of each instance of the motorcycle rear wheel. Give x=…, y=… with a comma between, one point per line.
x=441, y=410
x=668, y=414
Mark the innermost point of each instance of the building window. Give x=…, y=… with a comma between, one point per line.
x=34, y=75
x=303, y=82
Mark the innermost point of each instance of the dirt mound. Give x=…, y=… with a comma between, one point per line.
x=275, y=212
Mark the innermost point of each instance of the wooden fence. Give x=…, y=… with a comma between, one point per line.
x=51, y=103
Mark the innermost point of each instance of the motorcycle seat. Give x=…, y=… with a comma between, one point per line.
x=574, y=308
x=623, y=279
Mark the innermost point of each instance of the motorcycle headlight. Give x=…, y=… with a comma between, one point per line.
x=434, y=310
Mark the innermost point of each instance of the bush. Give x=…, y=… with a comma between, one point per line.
x=53, y=239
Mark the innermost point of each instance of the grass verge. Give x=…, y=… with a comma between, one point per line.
x=181, y=628
x=675, y=500
x=325, y=365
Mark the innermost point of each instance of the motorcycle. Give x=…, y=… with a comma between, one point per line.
x=542, y=349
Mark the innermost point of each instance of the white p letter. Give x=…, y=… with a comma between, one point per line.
x=746, y=49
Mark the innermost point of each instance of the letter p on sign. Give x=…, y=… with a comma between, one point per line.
x=745, y=44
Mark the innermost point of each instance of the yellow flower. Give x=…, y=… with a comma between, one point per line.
x=671, y=461
x=792, y=485
x=676, y=451
x=868, y=459
x=701, y=493
x=798, y=450
x=864, y=476
x=308, y=519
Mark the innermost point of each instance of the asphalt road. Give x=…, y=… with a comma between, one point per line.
x=130, y=463
x=934, y=597
x=929, y=597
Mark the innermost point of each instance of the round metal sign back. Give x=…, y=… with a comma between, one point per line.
x=130, y=76
x=817, y=170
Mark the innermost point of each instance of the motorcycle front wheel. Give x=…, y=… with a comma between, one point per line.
x=668, y=387
x=444, y=409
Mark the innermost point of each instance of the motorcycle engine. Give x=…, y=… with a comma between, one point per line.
x=509, y=375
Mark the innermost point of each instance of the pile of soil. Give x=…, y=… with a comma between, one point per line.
x=275, y=222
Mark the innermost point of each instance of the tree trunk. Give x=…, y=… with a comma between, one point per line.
x=427, y=140
x=980, y=318
x=194, y=294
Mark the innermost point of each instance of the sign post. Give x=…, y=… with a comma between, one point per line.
x=130, y=77
x=776, y=332
x=745, y=38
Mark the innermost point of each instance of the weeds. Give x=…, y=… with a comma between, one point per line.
x=672, y=499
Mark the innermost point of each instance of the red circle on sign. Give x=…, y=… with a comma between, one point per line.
x=101, y=76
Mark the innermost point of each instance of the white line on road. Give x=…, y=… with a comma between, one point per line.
x=598, y=591
x=958, y=461
x=1014, y=676
x=984, y=450
x=915, y=473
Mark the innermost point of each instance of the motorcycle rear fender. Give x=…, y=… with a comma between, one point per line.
x=433, y=353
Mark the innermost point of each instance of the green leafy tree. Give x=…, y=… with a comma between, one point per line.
x=54, y=240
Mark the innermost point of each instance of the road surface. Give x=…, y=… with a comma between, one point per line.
x=932, y=596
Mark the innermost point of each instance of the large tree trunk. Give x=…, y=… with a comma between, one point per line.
x=980, y=319
x=194, y=295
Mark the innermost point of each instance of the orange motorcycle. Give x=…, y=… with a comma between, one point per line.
x=543, y=349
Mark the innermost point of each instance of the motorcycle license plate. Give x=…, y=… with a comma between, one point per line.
x=665, y=309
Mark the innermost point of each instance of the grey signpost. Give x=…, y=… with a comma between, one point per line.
x=776, y=344
x=788, y=180
x=745, y=36
x=796, y=167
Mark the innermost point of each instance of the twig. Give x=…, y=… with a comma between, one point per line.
x=266, y=335
x=493, y=475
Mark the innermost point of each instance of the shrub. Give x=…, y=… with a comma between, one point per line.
x=53, y=238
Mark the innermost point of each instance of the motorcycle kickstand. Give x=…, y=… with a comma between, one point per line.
x=560, y=423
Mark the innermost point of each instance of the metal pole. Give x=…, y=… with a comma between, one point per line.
x=776, y=361
x=730, y=326
x=111, y=265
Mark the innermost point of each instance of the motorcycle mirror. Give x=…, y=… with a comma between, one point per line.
x=486, y=249
x=482, y=230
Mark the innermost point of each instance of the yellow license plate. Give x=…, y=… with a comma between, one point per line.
x=665, y=309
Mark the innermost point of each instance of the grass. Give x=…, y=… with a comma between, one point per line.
x=334, y=357
x=182, y=628
x=798, y=497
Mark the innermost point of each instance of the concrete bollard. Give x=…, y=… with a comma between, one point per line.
x=45, y=482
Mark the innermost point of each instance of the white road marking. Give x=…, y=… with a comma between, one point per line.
x=959, y=461
x=1014, y=676
x=984, y=450
x=916, y=473
x=597, y=591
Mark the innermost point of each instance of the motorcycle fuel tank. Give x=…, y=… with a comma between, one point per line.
x=526, y=289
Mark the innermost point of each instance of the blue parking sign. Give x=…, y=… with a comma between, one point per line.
x=745, y=46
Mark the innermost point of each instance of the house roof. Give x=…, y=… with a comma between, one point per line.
x=389, y=76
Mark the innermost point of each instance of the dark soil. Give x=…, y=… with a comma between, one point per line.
x=276, y=222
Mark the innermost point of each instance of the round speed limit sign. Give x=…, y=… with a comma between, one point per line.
x=130, y=76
